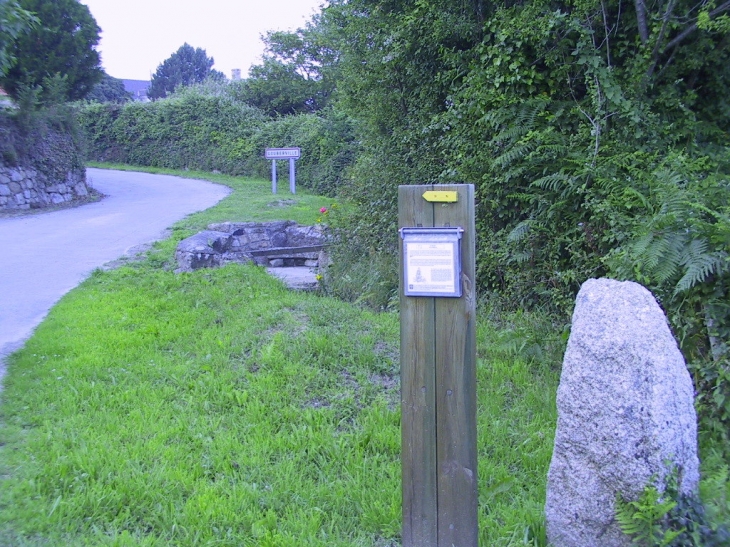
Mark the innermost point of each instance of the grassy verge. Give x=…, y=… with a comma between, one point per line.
x=219, y=408
x=250, y=201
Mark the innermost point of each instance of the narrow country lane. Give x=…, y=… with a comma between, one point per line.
x=46, y=255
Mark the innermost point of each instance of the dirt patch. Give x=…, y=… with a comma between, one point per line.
x=282, y=203
x=385, y=381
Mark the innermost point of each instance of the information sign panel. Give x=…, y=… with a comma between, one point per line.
x=282, y=153
x=432, y=261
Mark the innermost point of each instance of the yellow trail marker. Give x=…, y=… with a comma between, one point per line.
x=441, y=196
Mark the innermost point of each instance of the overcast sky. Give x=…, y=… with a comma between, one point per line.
x=138, y=35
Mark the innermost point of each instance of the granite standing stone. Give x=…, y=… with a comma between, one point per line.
x=625, y=409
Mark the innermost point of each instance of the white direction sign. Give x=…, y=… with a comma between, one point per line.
x=282, y=153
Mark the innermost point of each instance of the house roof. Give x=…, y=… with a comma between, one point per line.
x=138, y=88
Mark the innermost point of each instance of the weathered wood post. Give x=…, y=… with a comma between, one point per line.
x=438, y=365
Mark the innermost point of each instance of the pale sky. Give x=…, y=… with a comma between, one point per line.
x=138, y=35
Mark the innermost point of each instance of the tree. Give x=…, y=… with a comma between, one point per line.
x=187, y=66
x=109, y=90
x=298, y=72
x=597, y=136
x=14, y=21
x=63, y=44
x=278, y=89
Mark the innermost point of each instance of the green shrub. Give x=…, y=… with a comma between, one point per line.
x=42, y=133
x=206, y=128
x=669, y=519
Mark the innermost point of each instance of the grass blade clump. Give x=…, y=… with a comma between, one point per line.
x=207, y=408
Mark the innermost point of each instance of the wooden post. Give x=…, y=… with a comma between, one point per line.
x=438, y=386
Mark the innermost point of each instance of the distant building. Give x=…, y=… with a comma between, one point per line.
x=138, y=89
x=236, y=74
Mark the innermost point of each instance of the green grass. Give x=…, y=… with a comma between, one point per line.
x=250, y=201
x=182, y=410
x=218, y=408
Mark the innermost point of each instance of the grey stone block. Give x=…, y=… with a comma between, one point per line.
x=625, y=411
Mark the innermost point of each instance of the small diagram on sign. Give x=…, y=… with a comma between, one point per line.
x=419, y=276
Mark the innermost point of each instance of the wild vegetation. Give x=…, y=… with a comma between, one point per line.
x=154, y=408
x=597, y=139
x=207, y=127
x=38, y=128
x=42, y=133
x=219, y=408
x=596, y=133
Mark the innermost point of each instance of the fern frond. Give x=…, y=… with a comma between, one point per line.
x=639, y=246
x=659, y=254
x=511, y=134
x=699, y=264
x=555, y=150
x=657, y=251
x=667, y=257
x=631, y=194
x=669, y=177
x=521, y=257
x=522, y=197
x=552, y=182
x=514, y=153
x=515, y=122
x=520, y=231
x=674, y=205
x=611, y=185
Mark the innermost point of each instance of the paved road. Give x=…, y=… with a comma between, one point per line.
x=46, y=255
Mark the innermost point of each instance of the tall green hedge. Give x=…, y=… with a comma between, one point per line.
x=207, y=130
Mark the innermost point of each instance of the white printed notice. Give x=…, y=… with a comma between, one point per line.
x=431, y=264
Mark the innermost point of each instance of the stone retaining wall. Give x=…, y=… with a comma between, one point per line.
x=27, y=188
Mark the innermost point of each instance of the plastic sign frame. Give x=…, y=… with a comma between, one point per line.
x=432, y=261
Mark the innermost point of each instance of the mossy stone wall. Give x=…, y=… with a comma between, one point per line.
x=41, y=163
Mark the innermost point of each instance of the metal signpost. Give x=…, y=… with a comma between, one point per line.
x=438, y=365
x=291, y=154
